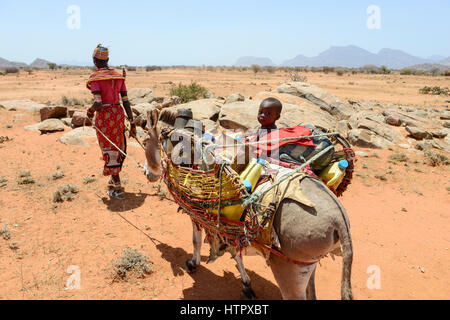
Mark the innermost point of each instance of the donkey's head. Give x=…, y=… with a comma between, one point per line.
x=151, y=142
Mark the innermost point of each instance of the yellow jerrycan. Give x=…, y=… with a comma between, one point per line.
x=334, y=173
x=249, y=177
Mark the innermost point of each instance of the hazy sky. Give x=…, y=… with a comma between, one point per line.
x=197, y=32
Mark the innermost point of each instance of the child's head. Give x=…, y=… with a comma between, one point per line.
x=269, y=112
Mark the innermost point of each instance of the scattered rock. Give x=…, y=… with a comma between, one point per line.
x=201, y=109
x=3, y=182
x=140, y=95
x=22, y=105
x=374, y=122
x=445, y=115
x=67, y=121
x=80, y=119
x=209, y=95
x=74, y=137
x=168, y=102
x=325, y=100
x=143, y=108
x=381, y=177
x=53, y=112
x=418, y=133
x=33, y=127
x=362, y=154
x=243, y=115
x=393, y=120
x=51, y=125
x=235, y=97
x=343, y=128
x=367, y=139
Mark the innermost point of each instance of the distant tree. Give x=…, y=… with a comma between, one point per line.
x=256, y=68
x=270, y=69
x=12, y=70
x=435, y=71
x=385, y=70
x=52, y=65
x=29, y=70
x=340, y=72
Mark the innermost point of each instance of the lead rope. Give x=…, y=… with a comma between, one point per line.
x=120, y=150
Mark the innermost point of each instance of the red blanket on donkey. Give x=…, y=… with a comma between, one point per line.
x=293, y=132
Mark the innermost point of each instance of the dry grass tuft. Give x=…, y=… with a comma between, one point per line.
x=65, y=193
x=131, y=263
x=436, y=159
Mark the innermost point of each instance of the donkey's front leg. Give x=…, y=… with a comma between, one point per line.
x=191, y=264
x=247, y=290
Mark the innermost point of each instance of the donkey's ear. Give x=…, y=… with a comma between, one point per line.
x=152, y=118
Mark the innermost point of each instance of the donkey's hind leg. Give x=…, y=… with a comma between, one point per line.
x=191, y=264
x=247, y=290
x=292, y=279
x=311, y=288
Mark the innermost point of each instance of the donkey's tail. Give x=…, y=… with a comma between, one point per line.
x=347, y=257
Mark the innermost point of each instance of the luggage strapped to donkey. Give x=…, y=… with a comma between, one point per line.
x=199, y=191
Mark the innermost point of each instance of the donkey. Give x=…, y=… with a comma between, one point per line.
x=305, y=234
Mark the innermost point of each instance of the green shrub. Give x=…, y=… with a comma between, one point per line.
x=340, y=72
x=435, y=90
x=190, y=92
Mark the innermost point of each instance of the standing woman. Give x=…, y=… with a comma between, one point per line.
x=106, y=84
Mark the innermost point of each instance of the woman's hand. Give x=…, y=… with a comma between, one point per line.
x=133, y=130
x=96, y=107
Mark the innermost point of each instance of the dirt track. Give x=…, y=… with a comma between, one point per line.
x=401, y=225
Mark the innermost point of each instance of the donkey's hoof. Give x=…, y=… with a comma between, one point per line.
x=248, y=293
x=190, y=266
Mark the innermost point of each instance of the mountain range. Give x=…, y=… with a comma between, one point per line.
x=38, y=63
x=339, y=56
x=351, y=57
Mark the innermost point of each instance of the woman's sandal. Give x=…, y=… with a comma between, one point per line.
x=116, y=194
